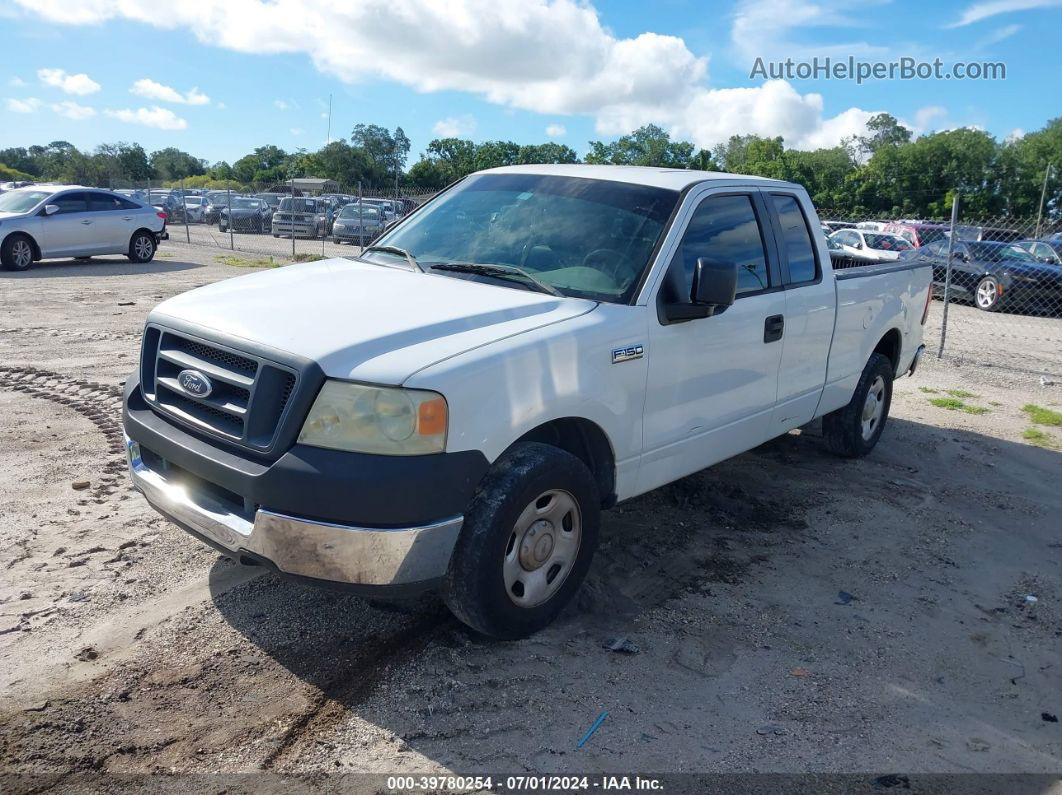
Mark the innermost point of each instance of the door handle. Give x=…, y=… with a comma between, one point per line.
x=86, y=222
x=773, y=327
x=127, y=218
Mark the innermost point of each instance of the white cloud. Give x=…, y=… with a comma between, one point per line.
x=769, y=29
x=16, y=82
x=73, y=110
x=281, y=104
x=29, y=105
x=454, y=126
x=1015, y=135
x=296, y=131
x=163, y=93
x=997, y=36
x=162, y=118
x=568, y=64
x=991, y=8
x=556, y=130
x=80, y=84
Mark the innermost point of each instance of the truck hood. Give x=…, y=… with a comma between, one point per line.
x=361, y=321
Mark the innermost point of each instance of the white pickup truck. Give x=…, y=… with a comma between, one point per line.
x=453, y=408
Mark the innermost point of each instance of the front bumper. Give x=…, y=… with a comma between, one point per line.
x=303, y=547
x=351, y=518
x=298, y=229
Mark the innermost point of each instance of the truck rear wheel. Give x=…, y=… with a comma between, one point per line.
x=853, y=431
x=526, y=544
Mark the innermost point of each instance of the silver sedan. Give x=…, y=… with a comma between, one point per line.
x=49, y=221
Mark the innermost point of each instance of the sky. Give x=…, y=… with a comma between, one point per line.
x=218, y=78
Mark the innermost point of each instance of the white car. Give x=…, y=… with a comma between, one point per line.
x=453, y=408
x=875, y=246
x=71, y=221
x=195, y=208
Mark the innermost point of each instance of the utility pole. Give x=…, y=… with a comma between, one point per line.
x=328, y=138
x=1043, y=195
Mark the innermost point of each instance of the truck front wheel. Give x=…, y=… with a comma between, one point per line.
x=526, y=544
x=853, y=431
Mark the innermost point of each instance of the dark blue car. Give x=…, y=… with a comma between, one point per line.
x=995, y=275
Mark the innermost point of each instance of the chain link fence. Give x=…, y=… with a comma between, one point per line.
x=997, y=283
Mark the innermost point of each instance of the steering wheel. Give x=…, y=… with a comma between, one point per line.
x=610, y=262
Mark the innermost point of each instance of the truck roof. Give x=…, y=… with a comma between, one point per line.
x=672, y=178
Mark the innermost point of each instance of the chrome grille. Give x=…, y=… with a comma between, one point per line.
x=249, y=393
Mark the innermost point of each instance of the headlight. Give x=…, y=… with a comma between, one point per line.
x=373, y=419
x=340, y=227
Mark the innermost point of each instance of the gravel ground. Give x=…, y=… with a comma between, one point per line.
x=788, y=611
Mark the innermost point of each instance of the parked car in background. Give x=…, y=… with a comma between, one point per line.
x=357, y=224
x=70, y=221
x=272, y=199
x=301, y=217
x=872, y=246
x=873, y=226
x=216, y=201
x=169, y=203
x=918, y=234
x=1048, y=252
x=248, y=214
x=833, y=226
x=135, y=195
x=994, y=275
x=195, y=208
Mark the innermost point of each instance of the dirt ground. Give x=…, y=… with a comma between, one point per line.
x=788, y=611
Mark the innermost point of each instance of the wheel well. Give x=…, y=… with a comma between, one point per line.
x=138, y=231
x=28, y=236
x=587, y=442
x=889, y=346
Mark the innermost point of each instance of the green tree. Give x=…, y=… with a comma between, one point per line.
x=171, y=163
x=647, y=146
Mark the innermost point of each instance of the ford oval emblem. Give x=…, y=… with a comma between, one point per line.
x=195, y=383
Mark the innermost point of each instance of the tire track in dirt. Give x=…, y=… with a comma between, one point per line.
x=100, y=404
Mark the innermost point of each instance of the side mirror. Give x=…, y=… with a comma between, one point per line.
x=859, y=245
x=51, y=209
x=714, y=283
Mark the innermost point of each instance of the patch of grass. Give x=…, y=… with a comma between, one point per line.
x=960, y=393
x=240, y=262
x=927, y=390
x=1039, y=438
x=995, y=403
x=1042, y=416
x=954, y=404
x=306, y=258
x=163, y=254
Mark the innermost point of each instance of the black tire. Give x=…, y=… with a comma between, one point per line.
x=986, y=295
x=222, y=227
x=275, y=235
x=474, y=588
x=259, y=227
x=142, y=247
x=844, y=429
x=13, y=253
x=337, y=241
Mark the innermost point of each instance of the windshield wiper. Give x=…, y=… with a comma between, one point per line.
x=500, y=271
x=401, y=252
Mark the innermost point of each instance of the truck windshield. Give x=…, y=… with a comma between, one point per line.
x=588, y=238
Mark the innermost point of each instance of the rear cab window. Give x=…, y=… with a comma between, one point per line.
x=799, y=250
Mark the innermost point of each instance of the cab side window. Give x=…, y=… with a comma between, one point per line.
x=724, y=228
x=70, y=203
x=803, y=265
x=102, y=201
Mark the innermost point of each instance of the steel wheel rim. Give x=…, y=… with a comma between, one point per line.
x=873, y=408
x=22, y=254
x=986, y=293
x=142, y=247
x=542, y=548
